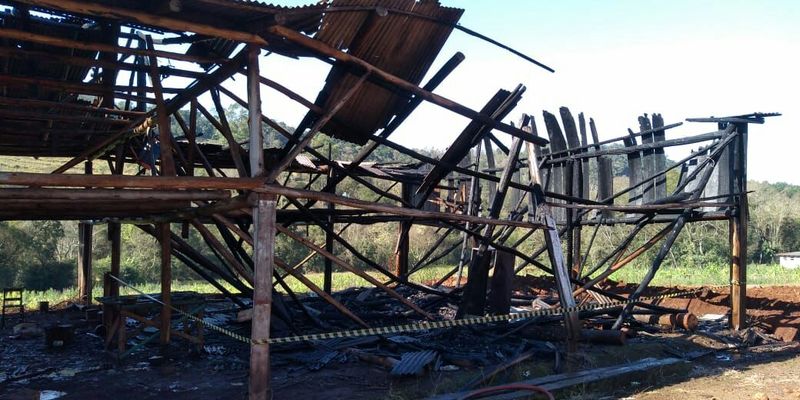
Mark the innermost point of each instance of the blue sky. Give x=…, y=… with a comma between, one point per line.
x=613, y=61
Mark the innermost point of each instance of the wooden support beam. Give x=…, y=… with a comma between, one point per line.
x=49, y=57
x=174, y=104
x=85, y=263
x=318, y=124
x=738, y=231
x=164, y=130
x=15, y=34
x=143, y=17
x=164, y=237
x=254, y=113
x=402, y=247
x=326, y=50
x=260, y=387
x=252, y=184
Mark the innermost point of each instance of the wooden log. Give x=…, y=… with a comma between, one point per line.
x=686, y=321
x=324, y=49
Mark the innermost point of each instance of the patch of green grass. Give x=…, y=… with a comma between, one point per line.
x=341, y=281
x=758, y=274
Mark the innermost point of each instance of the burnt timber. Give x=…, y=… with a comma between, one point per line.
x=48, y=49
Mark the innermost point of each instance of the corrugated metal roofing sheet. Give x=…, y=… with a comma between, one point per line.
x=402, y=45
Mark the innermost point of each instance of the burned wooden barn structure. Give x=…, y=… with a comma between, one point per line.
x=98, y=81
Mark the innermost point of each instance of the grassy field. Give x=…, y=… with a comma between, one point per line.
x=667, y=276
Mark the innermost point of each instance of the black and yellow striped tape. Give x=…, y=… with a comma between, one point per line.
x=417, y=326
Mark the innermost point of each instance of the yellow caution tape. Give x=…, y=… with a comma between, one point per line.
x=417, y=326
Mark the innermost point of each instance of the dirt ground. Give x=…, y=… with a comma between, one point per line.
x=82, y=370
x=753, y=377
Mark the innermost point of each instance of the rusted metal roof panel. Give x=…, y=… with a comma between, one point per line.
x=402, y=45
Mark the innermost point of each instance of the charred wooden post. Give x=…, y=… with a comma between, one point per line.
x=738, y=231
x=85, y=262
x=164, y=236
x=85, y=255
x=474, y=299
x=404, y=228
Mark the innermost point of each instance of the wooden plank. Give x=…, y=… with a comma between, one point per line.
x=499, y=297
x=634, y=171
x=605, y=178
x=260, y=387
x=648, y=160
x=557, y=172
x=660, y=158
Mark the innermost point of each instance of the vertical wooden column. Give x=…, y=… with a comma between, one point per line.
x=115, y=231
x=166, y=280
x=114, y=236
x=263, y=259
x=738, y=233
x=254, y=113
x=85, y=262
x=263, y=243
x=85, y=255
x=327, y=281
x=402, y=248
